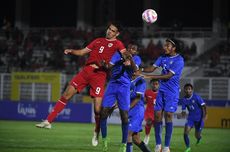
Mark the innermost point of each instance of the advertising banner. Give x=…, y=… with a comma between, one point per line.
x=35, y=77
x=36, y=111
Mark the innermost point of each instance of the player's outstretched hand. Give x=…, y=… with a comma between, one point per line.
x=67, y=51
x=126, y=56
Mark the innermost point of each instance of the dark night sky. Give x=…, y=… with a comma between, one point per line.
x=191, y=13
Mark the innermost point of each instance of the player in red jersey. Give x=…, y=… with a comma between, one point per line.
x=93, y=74
x=150, y=98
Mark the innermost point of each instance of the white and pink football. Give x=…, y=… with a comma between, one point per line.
x=149, y=16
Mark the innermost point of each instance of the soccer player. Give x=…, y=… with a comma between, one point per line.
x=172, y=65
x=93, y=74
x=196, y=116
x=150, y=99
x=118, y=89
x=136, y=114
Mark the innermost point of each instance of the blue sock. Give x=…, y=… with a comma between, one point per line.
x=103, y=124
x=124, y=127
x=158, y=131
x=168, y=134
x=186, y=140
x=129, y=147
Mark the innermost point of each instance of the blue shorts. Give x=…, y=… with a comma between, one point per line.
x=136, y=117
x=199, y=125
x=166, y=101
x=119, y=92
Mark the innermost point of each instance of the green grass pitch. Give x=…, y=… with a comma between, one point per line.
x=23, y=136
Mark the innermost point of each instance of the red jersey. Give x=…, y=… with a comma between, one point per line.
x=150, y=97
x=103, y=49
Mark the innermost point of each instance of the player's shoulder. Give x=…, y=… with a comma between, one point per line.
x=180, y=58
x=195, y=95
x=182, y=100
x=99, y=40
x=137, y=58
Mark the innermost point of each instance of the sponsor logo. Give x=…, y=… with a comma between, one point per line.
x=26, y=110
x=110, y=44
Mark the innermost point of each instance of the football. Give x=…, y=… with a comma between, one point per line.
x=149, y=16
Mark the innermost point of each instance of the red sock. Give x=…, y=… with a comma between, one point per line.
x=60, y=105
x=97, y=123
x=147, y=129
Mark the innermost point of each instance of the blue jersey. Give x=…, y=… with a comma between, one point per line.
x=136, y=113
x=193, y=105
x=174, y=64
x=138, y=86
x=118, y=88
x=121, y=72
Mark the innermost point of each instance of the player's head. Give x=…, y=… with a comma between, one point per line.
x=136, y=74
x=188, y=89
x=132, y=48
x=154, y=84
x=171, y=46
x=113, y=30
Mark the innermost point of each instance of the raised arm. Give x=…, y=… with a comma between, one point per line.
x=80, y=52
x=148, y=69
x=162, y=77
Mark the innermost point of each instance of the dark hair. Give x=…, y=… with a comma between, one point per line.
x=153, y=80
x=174, y=42
x=117, y=24
x=188, y=85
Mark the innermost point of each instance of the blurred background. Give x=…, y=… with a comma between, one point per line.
x=34, y=34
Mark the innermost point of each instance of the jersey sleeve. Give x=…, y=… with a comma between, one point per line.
x=120, y=46
x=183, y=106
x=115, y=58
x=157, y=62
x=91, y=45
x=137, y=61
x=177, y=66
x=200, y=100
x=141, y=87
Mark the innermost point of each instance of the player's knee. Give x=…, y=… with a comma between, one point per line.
x=136, y=139
x=158, y=116
x=69, y=92
x=104, y=113
x=97, y=112
x=168, y=116
x=149, y=123
x=124, y=116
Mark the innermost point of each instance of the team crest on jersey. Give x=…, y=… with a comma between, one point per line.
x=110, y=44
x=170, y=62
x=193, y=101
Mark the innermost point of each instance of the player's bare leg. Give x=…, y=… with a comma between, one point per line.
x=97, y=109
x=60, y=105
